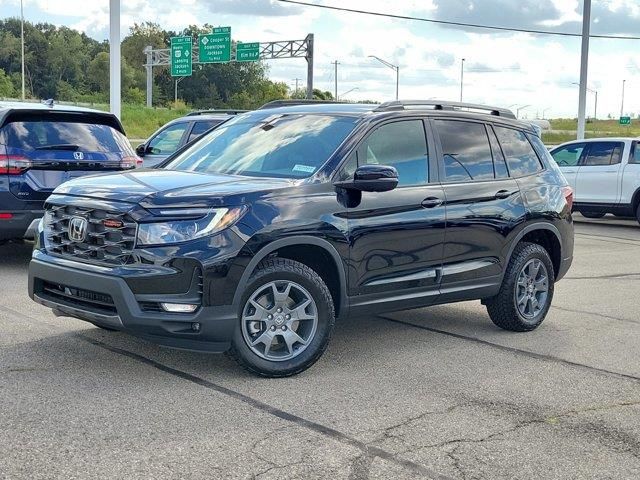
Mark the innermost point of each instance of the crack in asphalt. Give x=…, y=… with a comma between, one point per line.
x=276, y=412
x=539, y=356
x=612, y=276
x=584, y=312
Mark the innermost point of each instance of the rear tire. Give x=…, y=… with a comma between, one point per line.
x=286, y=319
x=638, y=213
x=526, y=292
x=592, y=214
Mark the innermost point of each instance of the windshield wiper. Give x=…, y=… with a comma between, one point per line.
x=59, y=146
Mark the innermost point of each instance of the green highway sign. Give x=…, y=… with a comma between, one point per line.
x=181, y=56
x=215, y=47
x=247, y=52
x=625, y=120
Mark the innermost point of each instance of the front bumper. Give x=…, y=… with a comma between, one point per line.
x=22, y=224
x=114, y=305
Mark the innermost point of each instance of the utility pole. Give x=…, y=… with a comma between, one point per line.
x=461, y=78
x=584, y=63
x=296, y=80
x=622, y=103
x=335, y=75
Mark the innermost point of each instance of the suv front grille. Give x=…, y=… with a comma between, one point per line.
x=108, y=236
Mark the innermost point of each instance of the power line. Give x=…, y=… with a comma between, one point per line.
x=457, y=24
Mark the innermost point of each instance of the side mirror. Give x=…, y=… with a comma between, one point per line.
x=372, y=178
x=141, y=150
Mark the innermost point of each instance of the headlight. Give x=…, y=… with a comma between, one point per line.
x=177, y=231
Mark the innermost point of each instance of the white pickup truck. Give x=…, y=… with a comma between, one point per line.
x=604, y=174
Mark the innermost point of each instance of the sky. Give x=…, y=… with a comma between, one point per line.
x=532, y=72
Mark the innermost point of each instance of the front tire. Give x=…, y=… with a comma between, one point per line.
x=526, y=292
x=286, y=319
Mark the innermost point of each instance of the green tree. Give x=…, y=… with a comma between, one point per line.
x=6, y=86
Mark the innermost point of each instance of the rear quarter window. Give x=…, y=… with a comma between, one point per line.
x=520, y=155
x=90, y=137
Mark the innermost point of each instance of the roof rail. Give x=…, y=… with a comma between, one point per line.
x=226, y=111
x=445, y=105
x=293, y=102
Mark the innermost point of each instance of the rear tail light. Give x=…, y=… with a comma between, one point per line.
x=567, y=191
x=6, y=216
x=14, y=164
x=128, y=163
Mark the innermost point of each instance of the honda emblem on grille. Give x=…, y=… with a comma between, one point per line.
x=77, y=229
x=78, y=155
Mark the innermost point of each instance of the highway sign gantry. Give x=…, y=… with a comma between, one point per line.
x=215, y=47
x=181, y=65
x=247, y=52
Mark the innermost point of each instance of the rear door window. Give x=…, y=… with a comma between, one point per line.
x=47, y=135
x=521, y=157
x=569, y=155
x=603, y=153
x=168, y=140
x=200, y=127
x=465, y=151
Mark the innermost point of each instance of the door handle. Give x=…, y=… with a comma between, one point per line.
x=501, y=194
x=431, y=202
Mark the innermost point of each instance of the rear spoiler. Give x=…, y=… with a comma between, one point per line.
x=25, y=114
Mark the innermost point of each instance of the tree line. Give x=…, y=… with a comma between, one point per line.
x=67, y=65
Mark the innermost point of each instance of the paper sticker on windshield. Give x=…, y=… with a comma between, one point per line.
x=303, y=168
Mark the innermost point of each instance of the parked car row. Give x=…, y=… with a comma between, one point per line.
x=254, y=237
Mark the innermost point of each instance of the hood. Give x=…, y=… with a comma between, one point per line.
x=171, y=188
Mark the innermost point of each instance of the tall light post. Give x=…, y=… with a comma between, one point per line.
x=584, y=63
x=521, y=108
x=595, y=92
x=622, y=103
x=22, y=40
x=114, y=57
x=348, y=91
x=461, y=78
x=544, y=110
x=393, y=67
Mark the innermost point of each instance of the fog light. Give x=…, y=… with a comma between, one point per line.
x=195, y=326
x=179, y=307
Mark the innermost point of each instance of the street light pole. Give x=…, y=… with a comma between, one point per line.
x=393, y=67
x=348, y=91
x=521, y=108
x=114, y=58
x=22, y=40
x=595, y=92
x=622, y=103
x=584, y=62
x=544, y=110
x=461, y=78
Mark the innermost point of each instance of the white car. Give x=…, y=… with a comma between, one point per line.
x=604, y=174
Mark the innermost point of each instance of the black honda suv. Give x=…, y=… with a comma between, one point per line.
x=256, y=237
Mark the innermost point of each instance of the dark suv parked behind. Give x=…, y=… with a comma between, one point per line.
x=44, y=145
x=262, y=232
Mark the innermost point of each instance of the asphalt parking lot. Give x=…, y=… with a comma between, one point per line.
x=432, y=393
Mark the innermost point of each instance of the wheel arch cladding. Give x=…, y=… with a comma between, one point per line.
x=545, y=235
x=316, y=253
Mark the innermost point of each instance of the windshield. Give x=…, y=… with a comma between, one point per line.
x=286, y=146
